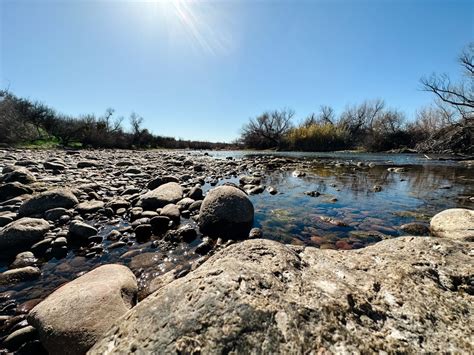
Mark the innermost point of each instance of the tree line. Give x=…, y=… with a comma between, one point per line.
x=23, y=121
x=372, y=125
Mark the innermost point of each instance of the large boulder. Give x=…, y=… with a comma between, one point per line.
x=456, y=223
x=163, y=195
x=22, y=233
x=404, y=295
x=73, y=317
x=226, y=212
x=47, y=200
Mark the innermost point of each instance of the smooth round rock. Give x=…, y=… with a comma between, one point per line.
x=455, y=223
x=163, y=195
x=47, y=200
x=226, y=212
x=77, y=314
x=22, y=233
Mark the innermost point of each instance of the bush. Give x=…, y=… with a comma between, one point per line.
x=318, y=137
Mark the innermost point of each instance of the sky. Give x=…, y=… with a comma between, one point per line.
x=200, y=69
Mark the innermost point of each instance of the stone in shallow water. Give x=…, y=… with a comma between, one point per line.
x=226, y=212
x=264, y=297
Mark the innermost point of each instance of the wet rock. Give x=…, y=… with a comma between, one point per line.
x=26, y=258
x=204, y=247
x=80, y=231
x=20, y=337
x=298, y=173
x=226, y=212
x=415, y=228
x=255, y=233
x=264, y=297
x=22, y=233
x=271, y=190
x=160, y=224
x=187, y=233
x=165, y=194
x=143, y=232
x=13, y=189
x=13, y=276
x=72, y=318
x=196, y=193
x=455, y=223
x=47, y=200
x=250, y=180
x=377, y=188
x=312, y=193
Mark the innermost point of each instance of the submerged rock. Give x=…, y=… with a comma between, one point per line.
x=264, y=297
x=73, y=317
x=456, y=223
x=226, y=212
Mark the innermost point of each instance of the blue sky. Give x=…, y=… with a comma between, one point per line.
x=200, y=69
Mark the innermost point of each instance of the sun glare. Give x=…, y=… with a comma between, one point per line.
x=196, y=20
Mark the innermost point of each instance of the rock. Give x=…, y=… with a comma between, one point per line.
x=455, y=223
x=271, y=190
x=226, y=212
x=415, y=228
x=26, y=258
x=47, y=200
x=80, y=231
x=187, y=233
x=163, y=195
x=86, y=164
x=143, y=232
x=196, y=193
x=18, y=174
x=404, y=295
x=250, y=180
x=255, y=233
x=54, y=165
x=72, y=318
x=19, y=337
x=55, y=213
x=160, y=224
x=19, y=275
x=22, y=233
x=185, y=203
x=171, y=211
x=13, y=189
x=89, y=206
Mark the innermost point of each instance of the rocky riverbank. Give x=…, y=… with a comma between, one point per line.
x=193, y=281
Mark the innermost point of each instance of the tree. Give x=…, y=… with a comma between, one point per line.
x=267, y=130
x=459, y=95
x=357, y=119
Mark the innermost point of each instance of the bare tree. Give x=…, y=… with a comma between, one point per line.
x=327, y=114
x=459, y=95
x=360, y=117
x=268, y=129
